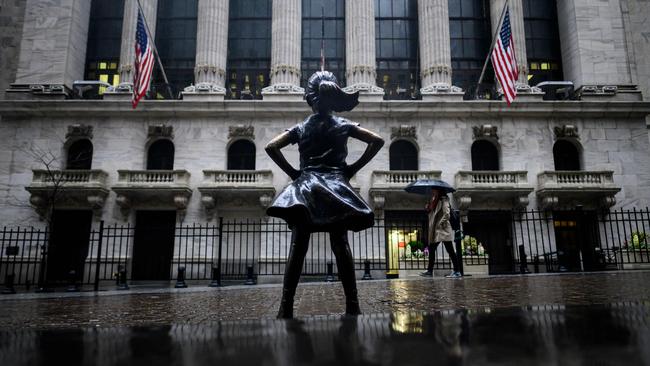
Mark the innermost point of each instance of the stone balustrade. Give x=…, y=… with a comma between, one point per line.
x=153, y=177
x=490, y=178
x=238, y=177
x=575, y=179
x=398, y=179
x=69, y=177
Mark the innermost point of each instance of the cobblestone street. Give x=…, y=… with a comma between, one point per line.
x=198, y=305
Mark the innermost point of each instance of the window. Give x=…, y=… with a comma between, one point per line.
x=249, y=48
x=323, y=23
x=484, y=156
x=161, y=155
x=403, y=156
x=104, y=42
x=470, y=32
x=542, y=41
x=80, y=155
x=241, y=155
x=176, y=43
x=396, y=38
x=566, y=156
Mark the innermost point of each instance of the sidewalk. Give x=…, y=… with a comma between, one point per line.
x=197, y=305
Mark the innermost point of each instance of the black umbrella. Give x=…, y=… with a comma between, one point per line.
x=425, y=186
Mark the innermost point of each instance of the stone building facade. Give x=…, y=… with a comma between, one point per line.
x=591, y=151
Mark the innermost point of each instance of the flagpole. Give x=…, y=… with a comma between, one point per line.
x=155, y=50
x=494, y=40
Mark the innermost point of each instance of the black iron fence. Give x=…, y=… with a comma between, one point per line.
x=492, y=242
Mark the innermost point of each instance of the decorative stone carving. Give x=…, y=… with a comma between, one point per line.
x=181, y=202
x=79, y=131
x=96, y=204
x=209, y=204
x=204, y=88
x=241, y=131
x=125, y=205
x=283, y=88
x=161, y=131
x=521, y=202
x=364, y=88
x=378, y=202
x=485, y=131
x=607, y=201
x=40, y=205
x=566, y=131
x=404, y=132
x=265, y=200
x=441, y=88
x=464, y=203
x=549, y=202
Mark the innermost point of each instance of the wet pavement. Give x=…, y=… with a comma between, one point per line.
x=600, y=318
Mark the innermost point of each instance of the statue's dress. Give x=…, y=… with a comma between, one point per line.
x=321, y=198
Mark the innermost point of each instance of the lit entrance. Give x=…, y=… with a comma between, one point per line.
x=406, y=235
x=68, y=247
x=153, y=245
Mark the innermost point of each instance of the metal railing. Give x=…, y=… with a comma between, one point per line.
x=237, y=249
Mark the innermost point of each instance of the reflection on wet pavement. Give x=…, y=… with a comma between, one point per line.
x=608, y=334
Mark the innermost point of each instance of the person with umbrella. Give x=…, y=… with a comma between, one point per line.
x=440, y=229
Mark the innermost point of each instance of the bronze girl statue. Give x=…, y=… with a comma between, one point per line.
x=320, y=198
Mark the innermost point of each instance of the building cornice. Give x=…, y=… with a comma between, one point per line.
x=266, y=109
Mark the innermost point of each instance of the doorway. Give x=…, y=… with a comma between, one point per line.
x=576, y=240
x=493, y=233
x=153, y=245
x=68, y=244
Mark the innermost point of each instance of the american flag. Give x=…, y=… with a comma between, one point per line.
x=143, y=62
x=504, y=60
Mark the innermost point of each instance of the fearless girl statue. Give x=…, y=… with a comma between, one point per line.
x=320, y=198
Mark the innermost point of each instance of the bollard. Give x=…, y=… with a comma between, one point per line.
x=121, y=278
x=250, y=276
x=180, y=278
x=216, y=277
x=9, y=284
x=536, y=264
x=330, y=272
x=366, y=271
x=523, y=266
x=72, y=282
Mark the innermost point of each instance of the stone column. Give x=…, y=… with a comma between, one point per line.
x=518, y=34
x=285, y=51
x=361, y=67
x=127, y=50
x=435, y=50
x=211, y=51
x=52, y=49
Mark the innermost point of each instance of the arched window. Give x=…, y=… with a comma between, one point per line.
x=566, y=156
x=80, y=155
x=161, y=155
x=542, y=41
x=104, y=42
x=484, y=156
x=241, y=155
x=403, y=156
x=323, y=22
x=176, y=43
x=249, y=48
x=396, y=39
x=469, y=30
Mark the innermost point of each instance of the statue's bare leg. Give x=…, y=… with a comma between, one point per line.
x=345, y=264
x=299, y=246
